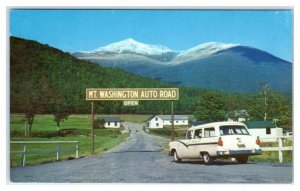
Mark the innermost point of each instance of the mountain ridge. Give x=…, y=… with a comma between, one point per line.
x=213, y=65
x=134, y=47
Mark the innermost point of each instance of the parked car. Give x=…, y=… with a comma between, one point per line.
x=216, y=140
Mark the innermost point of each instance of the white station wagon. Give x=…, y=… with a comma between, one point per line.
x=216, y=140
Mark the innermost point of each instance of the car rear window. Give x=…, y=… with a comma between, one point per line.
x=233, y=130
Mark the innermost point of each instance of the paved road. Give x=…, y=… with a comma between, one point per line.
x=140, y=159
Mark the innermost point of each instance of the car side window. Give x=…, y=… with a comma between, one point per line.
x=209, y=132
x=189, y=135
x=198, y=134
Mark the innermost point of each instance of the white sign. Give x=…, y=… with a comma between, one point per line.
x=131, y=103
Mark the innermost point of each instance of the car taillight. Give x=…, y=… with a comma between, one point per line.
x=258, y=142
x=220, y=142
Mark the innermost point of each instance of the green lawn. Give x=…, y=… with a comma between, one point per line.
x=47, y=123
x=272, y=156
x=76, y=127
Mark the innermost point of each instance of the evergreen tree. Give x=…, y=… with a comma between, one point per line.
x=210, y=107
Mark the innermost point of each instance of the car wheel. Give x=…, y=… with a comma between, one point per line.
x=242, y=160
x=176, y=158
x=207, y=159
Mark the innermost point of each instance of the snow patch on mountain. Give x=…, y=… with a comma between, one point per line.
x=130, y=45
x=201, y=51
x=208, y=48
x=155, y=52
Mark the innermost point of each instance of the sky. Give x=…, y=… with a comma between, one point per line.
x=85, y=30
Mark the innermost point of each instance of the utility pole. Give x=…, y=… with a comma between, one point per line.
x=172, y=111
x=92, y=127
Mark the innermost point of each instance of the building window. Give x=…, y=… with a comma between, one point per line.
x=156, y=118
x=116, y=123
x=268, y=130
x=170, y=121
x=108, y=123
x=176, y=121
x=157, y=124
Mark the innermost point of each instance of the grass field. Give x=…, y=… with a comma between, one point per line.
x=268, y=156
x=47, y=123
x=76, y=127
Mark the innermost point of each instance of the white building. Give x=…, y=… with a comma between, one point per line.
x=111, y=121
x=159, y=121
x=266, y=130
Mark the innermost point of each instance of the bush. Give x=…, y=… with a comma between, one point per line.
x=99, y=124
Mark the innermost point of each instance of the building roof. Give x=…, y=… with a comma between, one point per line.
x=110, y=118
x=169, y=117
x=259, y=124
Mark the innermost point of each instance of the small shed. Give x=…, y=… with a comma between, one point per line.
x=111, y=121
x=266, y=130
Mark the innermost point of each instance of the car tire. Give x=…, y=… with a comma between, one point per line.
x=176, y=158
x=242, y=160
x=208, y=160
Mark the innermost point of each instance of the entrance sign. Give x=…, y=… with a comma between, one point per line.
x=131, y=94
x=131, y=103
x=130, y=97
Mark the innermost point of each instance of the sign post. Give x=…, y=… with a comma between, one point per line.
x=92, y=127
x=130, y=97
x=172, y=111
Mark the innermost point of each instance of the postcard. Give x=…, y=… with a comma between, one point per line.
x=151, y=95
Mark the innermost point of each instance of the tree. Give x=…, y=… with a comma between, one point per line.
x=60, y=102
x=59, y=108
x=265, y=92
x=210, y=107
x=269, y=105
x=32, y=99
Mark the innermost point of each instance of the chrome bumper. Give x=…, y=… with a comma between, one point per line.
x=239, y=152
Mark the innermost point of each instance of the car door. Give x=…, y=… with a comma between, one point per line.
x=184, y=145
x=209, y=143
x=196, y=143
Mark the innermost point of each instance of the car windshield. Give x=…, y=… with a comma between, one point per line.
x=233, y=130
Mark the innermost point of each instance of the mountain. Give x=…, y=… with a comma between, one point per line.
x=130, y=45
x=213, y=65
x=237, y=69
x=55, y=79
x=201, y=51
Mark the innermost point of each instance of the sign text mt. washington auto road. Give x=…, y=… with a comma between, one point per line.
x=132, y=94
